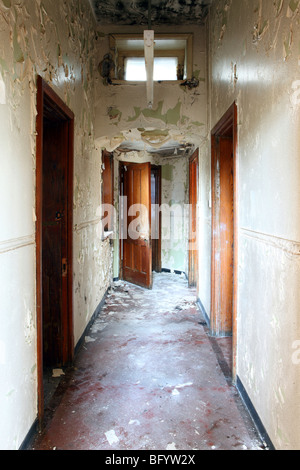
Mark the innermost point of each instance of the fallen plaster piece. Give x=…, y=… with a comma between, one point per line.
x=111, y=437
x=171, y=446
x=134, y=421
x=88, y=339
x=57, y=373
x=175, y=392
x=189, y=384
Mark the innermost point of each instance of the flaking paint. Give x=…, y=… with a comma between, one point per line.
x=262, y=40
x=121, y=108
x=55, y=40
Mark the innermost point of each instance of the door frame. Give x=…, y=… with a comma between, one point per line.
x=227, y=122
x=46, y=93
x=193, y=222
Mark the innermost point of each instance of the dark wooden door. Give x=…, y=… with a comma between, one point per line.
x=54, y=258
x=54, y=234
x=156, y=217
x=136, y=250
x=108, y=188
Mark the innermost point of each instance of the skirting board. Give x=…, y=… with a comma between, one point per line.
x=91, y=322
x=30, y=435
x=254, y=415
x=204, y=313
x=165, y=270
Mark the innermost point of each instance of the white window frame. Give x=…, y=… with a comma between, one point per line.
x=184, y=55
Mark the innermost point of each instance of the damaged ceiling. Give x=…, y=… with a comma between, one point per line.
x=171, y=149
x=135, y=12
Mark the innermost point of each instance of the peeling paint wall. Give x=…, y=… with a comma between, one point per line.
x=174, y=194
x=57, y=41
x=255, y=60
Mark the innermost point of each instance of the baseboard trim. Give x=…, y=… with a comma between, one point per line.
x=30, y=435
x=90, y=324
x=166, y=270
x=254, y=415
x=204, y=313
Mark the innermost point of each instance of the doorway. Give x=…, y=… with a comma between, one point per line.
x=224, y=229
x=193, y=219
x=54, y=229
x=135, y=224
x=156, y=218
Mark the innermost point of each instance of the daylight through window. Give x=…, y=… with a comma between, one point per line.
x=165, y=68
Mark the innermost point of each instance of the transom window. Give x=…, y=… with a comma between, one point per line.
x=172, y=57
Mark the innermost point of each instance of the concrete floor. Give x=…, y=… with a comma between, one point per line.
x=149, y=377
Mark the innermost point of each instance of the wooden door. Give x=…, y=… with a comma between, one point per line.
x=136, y=248
x=54, y=274
x=226, y=224
x=54, y=234
x=193, y=222
x=108, y=187
x=224, y=233
x=156, y=217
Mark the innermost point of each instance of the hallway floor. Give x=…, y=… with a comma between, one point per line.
x=149, y=377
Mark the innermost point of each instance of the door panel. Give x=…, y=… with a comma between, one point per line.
x=223, y=236
x=54, y=240
x=226, y=231
x=156, y=217
x=137, y=251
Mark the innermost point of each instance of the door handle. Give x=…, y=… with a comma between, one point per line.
x=64, y=268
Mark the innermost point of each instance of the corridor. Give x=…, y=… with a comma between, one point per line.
x=149, y=377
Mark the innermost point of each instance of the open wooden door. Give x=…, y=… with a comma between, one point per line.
x=136, y=246
x=156, y=219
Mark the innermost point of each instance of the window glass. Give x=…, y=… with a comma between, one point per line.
x=165, y=68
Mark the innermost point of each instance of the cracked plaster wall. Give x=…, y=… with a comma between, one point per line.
x=55, y=40
x=260, y=40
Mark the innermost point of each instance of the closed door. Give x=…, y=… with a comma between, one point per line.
x=136, y=248
x=224, y=248
x=54, y=225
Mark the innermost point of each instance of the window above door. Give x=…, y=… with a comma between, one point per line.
x=173, y=57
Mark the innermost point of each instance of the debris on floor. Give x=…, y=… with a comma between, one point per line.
x=57, y=373
x=148, y=378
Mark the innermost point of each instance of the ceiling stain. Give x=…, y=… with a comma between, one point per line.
x=135, y=12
